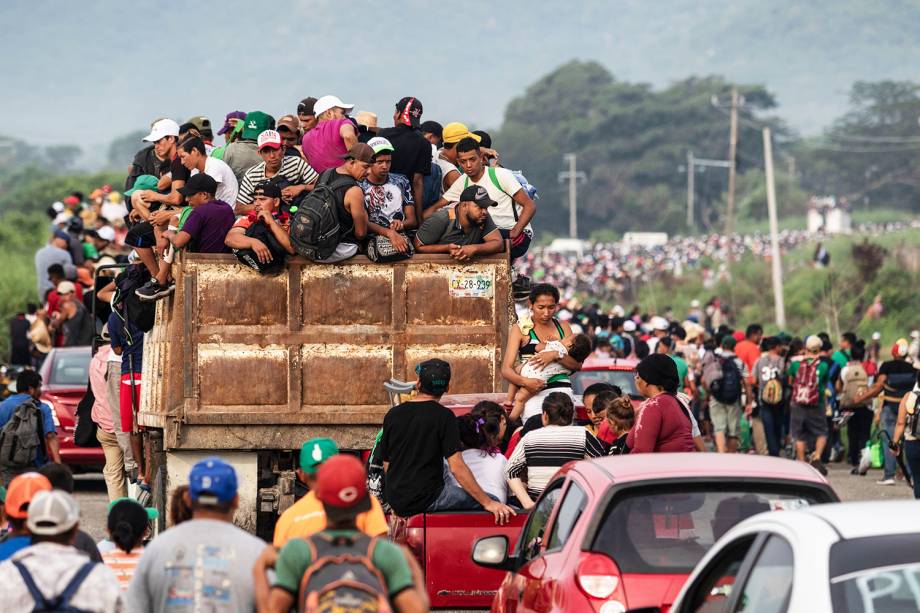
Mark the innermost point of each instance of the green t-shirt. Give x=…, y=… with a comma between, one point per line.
x=295, y=558
x=682, y=370
x=841, y=358
x=822, y=377
x=90, y=252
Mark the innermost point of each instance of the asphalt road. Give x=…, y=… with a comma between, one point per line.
x=90, y=493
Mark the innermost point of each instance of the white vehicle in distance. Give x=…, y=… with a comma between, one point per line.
x=857, y=557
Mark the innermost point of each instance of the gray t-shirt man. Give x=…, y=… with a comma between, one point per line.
x=443, y=228
x=199, y=565
x=44, y=258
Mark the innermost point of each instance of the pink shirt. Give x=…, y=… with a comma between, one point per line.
x=323, y=145
x=661, y=425
x=101, y=413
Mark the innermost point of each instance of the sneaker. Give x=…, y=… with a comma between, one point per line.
x=855, y=471
x=819, y=466
x=885, y=482
x=154, y=291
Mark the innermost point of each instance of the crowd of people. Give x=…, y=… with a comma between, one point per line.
x=608, y=271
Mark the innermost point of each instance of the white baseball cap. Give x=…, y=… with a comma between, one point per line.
x=106, y=233
x=52, y=512
x=330, y=102
x=659, y=323
x=629, y=325
x=269, y=138
x=162, y=128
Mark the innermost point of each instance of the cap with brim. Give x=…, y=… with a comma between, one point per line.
x=161, y=129
x=410, y=111
x=379, y=144
x=269, y=189
x=201, y=123
x=360, y=152
x=65, y=287
x=229, y=126
x=306, y=106
x=330, y=102
x=289, y=123
x=21, y=492
x=212, y=481
x=269, y=139
x=477, y=195
x=433, y=375
x=316, y=451
x=52, y=512
x=255, y=123
x=200, y=182
x=341, y=485
x=152, y=513
x=141, y=183
x=106, y=233
x=455, y=132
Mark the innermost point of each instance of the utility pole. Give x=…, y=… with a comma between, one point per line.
x=778, y=302
x=691, y=190
x=732, y=151
x=573, y=177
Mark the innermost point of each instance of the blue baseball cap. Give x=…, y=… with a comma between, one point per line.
x=212, y=481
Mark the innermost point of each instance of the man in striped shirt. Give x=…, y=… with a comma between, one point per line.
x=544, y=451
x=298, y=173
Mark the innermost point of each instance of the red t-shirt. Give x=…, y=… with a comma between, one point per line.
x=661, y=425
x=748, y=352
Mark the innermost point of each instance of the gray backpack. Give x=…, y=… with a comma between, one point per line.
x=21, y=437
x=316, y=227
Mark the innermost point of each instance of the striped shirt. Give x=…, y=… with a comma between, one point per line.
x=542, y=452
x=123, y=564
x=294, y=169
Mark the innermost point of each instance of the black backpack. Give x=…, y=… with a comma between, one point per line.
x=127, y=304
x=61, y=602
x=727, y=389
x=261, y=232
x=22, y=436
x=315, y=228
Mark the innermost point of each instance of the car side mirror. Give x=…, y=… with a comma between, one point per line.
x=492, y=552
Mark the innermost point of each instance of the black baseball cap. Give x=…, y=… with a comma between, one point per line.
x=199, y=183
x=434, y=376
x=410, y=111
x=269, y=189
x=478, y=195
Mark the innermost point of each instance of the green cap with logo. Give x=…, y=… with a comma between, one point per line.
x=143, y=182
x=255, y=123
x=152, y=513
x=314, y=452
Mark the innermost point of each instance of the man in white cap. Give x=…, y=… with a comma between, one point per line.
x=333, y=136
x=659, y=328
x=51, y=574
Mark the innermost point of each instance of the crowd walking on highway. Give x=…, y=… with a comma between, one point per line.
x=329, y=186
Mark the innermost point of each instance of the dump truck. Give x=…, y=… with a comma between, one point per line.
x=248, y=366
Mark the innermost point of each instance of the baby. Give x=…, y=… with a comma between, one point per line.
x=578, y=346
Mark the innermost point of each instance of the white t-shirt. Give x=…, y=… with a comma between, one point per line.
x=503, y=214
x=446, y=168
x=227, y=185
x=489, y=471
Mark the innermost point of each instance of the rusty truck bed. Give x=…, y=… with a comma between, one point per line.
x=238, y=360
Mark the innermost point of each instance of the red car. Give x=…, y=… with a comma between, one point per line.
x=615, y=371
x=65, y=376
x=625, y=532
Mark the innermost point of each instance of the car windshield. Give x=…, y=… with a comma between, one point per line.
x=624, y=379
x=668, y=531
x=879, y=574
x=70, y=369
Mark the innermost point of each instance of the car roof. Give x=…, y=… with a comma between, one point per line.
x=87, y=349
x=871, y=518
x=649, y=466
x=608, y=364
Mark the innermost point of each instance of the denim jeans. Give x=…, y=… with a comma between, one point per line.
x=912, y=456
x=772, y=417
x=888, y=421
x=454, y=498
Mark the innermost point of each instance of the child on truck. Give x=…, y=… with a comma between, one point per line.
x=578, y=346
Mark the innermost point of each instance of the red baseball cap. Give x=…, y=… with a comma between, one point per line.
x=341, y=485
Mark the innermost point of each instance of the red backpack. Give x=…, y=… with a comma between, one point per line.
x=805, y=391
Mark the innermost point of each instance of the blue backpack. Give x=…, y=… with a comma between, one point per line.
x=61, y=602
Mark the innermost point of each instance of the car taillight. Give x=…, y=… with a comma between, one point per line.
x=597, y=575
x=415, y=541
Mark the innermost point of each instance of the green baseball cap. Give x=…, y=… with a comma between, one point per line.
x=255, y=123
x=152, y=513
x=143, y=182
x=316, y=451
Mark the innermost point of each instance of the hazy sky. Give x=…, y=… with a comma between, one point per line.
x=89, y=71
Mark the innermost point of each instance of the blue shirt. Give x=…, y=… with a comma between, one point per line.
x=120, y=332
x=13, y=544
x=8, y=406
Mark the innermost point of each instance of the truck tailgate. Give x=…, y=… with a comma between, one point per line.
x=453, y=580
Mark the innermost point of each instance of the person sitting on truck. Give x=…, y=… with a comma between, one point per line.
x=381, y=569
x=515, y=208
x=298, y=175
x=267, y=198
x=542, y=452
x=306, y=517
x=480, y=434
x=418, y=436
x=464, y=231
x=206, y=560
x=388, y=197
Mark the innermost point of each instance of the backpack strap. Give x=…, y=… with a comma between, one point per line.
x=74, y=584
x=493, y=177
x=40, y=601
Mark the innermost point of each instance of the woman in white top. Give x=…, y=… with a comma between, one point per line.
x=481, y=432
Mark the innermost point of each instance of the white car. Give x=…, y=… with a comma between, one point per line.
x=846, y=558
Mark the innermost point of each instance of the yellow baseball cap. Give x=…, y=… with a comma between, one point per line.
x=456, y=132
